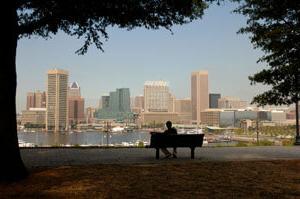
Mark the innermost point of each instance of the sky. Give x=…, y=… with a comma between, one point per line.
x=132, y=57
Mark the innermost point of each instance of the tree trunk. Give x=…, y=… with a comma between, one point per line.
x=297, y=119
x=12, y=167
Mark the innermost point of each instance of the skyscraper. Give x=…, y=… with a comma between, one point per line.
x=156, y=96
x=139, y=102
x=124, y=99
x=114, y=101
x=75, y=104
x=57, y=104
x=213, y=100
x=116, y=105
x=199, y=94
x=105, y=102
x=74, y=90
x=76, y=110
x=183, y=107
x=30, y=100
x=36, y=100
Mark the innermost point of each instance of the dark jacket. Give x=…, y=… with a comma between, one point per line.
x=171, y=131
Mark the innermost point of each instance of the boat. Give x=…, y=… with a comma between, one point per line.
x=117, y=129
x=181, y=131
x=195, y=131
x=25, y=144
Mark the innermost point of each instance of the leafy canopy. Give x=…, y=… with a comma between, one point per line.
x=274, y=26
x=89, y=19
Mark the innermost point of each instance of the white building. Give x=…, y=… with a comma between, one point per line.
x=278, y=117
x=157, y=96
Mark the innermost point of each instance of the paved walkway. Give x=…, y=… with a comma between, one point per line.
x=39, y=157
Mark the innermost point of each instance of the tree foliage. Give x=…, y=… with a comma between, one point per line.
x=274, y=27
x=89, y=19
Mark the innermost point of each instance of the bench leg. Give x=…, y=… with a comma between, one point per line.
x=193, y=153
x=157, y=153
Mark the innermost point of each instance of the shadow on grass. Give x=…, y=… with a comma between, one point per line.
x=255, y=179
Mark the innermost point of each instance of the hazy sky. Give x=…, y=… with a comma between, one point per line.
x=133, y=57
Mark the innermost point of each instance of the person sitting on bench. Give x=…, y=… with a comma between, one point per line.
x=170, y=130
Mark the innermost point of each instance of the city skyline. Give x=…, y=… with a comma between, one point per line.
x=133, y=57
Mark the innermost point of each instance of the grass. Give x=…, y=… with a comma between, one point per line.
x=239, y=179
x=260, y=143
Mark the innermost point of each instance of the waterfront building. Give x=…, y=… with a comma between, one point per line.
x=213, y=100
x=132, y=101
x=76, y=110
x=158, y=117
x=57, y=101
x=34, y=117
x=183, y=107
x=199, y=94
x=90, y=115
x=75, y=105
x=118, y=106
x=227, y=118
x=246, y=124
x=244, y=115
x=291, y=115
x=124, y=99
x=136, y=110
x=30, y=100
x=171, y=107
x=278, y=117
x=139, y=102
x=264, y=115
x=36, y=100
x=156, y=96
x=105, y=101
x=228, y=102
x=211, y=117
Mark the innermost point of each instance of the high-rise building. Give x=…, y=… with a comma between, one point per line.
x=105, y=102
x=116, y=105
x=113, y=101
x=75, y=105
x=183, y=107
x=30, y=100
x=74, y=90
x=171, y=107
x=156, y=96
x=139, y=102
x=124, y=99
x=213, y=100
x=76, y=110
x=231, y=103
x=90, y=115
x=57, y=104
x=36, y=100
x=199, y=94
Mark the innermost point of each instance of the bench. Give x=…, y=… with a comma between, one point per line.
x=162, y=140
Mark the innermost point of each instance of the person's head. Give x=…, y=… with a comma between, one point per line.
x=169, y=124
